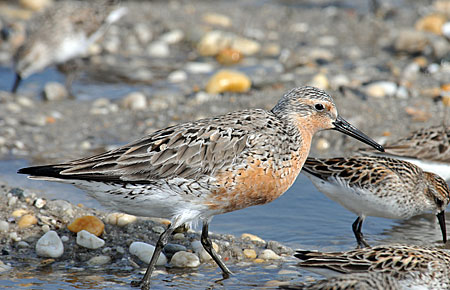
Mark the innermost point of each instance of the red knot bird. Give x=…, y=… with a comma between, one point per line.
x=428, y=148
x=413, y=267
x=63, y=32
x=381, y=187
x=195, y=170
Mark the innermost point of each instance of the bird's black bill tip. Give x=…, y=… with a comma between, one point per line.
x=16, y=84
x=345, y=127
x=441, y=219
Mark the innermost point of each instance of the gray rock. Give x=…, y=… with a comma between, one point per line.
x=88, y=240
x=145, y=251
x=50, y=245
x=184, y=259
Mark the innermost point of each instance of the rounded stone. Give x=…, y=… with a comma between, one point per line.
x=88, y=223
x=27, y=221
x=50, y=245
x=87, y=240
x=145, y=251
x=268, y=254
x=4, y=226
x=249, y=253
x=54, y=91
x=251, y=237
x=40, y=203
x=171, y=249
x=185, y=259
x=120, y=219
x=99, y=260
x=201, y=252
x=158, y=49
x=135, y=101
x=228, y=81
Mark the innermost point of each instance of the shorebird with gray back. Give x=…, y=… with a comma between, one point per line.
x=196, y=170
x=63, y=32
x=381, y=187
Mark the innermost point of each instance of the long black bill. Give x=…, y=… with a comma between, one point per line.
x=441, y=219
x=345, y=127
x=16, y=83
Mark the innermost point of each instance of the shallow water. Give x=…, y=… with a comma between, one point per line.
x=301, y=218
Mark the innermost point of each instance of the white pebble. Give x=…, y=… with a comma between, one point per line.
x=268, y=255
x=120, y=219
x=39, y=203
x=4, y=226
x=145, y=251
x=88, y=240
x=4, y=267
x=177, y=76
x=158, y=49
x=183, y=259
x=45, y=228
x=172, y=37
x=13, y=236
x=178, y=236
x=54, y=91
x=64, y=239
x=158, y=229
x=23, y=244
x=99, y=260
x=199, y=67
x=50, y=245
x=135, y=101
x=446, y=30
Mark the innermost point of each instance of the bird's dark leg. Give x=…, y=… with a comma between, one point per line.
x=357, y=226
x=144, y=284
x=207, y=244
x=16, y=83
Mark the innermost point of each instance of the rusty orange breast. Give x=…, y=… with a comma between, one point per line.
x=258, y=183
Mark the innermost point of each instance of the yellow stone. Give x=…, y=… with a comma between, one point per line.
x=431, y=23
x=27, y=221
x=249, y=253
x=19, y=212
x=228, y=81
x=446, y=101
x=88, y=223
x=252, y=238
x=229, y=56
x=35, y=4
x=217, y=19
x=320, y=81
x=258, y=261
x=120, y=219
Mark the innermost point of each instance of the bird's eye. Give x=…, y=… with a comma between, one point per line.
x=319, y=107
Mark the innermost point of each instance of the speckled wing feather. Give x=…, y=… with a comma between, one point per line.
x=398, y=260
x=427, y=144
x=187, y=150
x=362, y=170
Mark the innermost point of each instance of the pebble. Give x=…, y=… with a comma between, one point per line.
x=12, y=200
x=251, y=237
x=201, y=252
x=35, y=4
x=185, y=259
x=27, y=221
x=217, y=19
x=215, y=41
x=432, y=23
x=411, y=41
x=172, y=37
x=199, y=67
x=54, y=91
x=381, y=89
x=159, y=49
x=249, y=253
x=171, y=249
x=65, y=239
x=88, y=240
x=178, y=236
x=99, y=260
x=88, y=223
x=158, y=229
x=4, y=226
x=120, y=219
x=19, y=212
x=145, y=251
x=23, y=244
x=15, y=237
x=134, y=101
x=229, y=56
x=320, y=81
x=268, y=254
x=50, y=245
x=40, y=203
x=228, y=81
x=45, y=228
x=258, y=261
x=177, y=76
x=4, y=267
x=446, y=30
x=143, y=32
